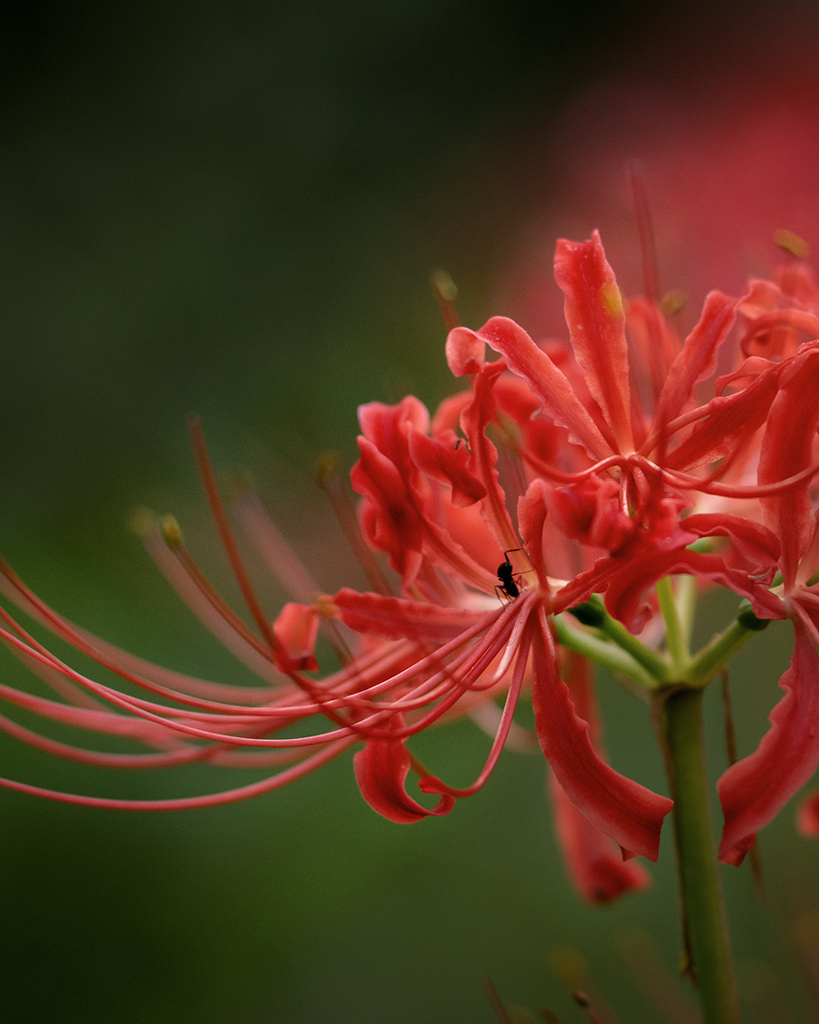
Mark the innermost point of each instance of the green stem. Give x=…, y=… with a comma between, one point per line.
x=678, y=719
x=711, y=659
x=674, y=636
x=654, y=664
x=602, y=652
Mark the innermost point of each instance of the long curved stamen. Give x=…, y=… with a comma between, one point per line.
x=501, y=736
x=190, y=803
x=219, y=514
x=688, y=482
x=328, y=479
x=667, y=430
x=550, y=472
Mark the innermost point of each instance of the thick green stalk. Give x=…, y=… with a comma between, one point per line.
x=678, y=715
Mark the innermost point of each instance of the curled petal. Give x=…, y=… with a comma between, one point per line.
x=474, y=421
x=698, y=358
x=593, y=862
x=786, y=450
x=619, y=807
x=630, y=582
x=590, y=512
x=751, y=368
x=597, y=328
x=759, y=545
x=444, y=459
x=776, y=335
x=760, y=297
x=464, y=351
x=532, y=514
x=381, y=770
x=797, y=282
x=547, y=382
x=296, y=629
x=389, y=517
x=754, y=789
x=655, y=342
x=395, y=618
x=386, y=427
x=727, y=423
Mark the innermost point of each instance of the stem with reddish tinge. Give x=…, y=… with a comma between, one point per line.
x=679, y=726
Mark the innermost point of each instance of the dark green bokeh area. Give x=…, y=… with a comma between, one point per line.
x=234, y=209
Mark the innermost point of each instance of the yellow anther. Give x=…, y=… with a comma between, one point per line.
x=445, y=291
x=171, y=531
x=612, y=299
x=791, y=243
x=326, y=607
x=326, y=469
x=672, y=302
x=142, y=521
x=443, y=285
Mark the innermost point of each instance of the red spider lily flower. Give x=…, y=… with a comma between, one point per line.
x=600, y=486
x=445, y=540
x=754, y=789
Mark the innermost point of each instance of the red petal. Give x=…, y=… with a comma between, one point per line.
x=655, y=344
x=797, y=282
x=786, y=450
x=759, y=545
x=754, y=789
x=464, y=351
x=639, y=573
x=728, y=423
x=548, y=383
x=531, y=519
x=386, y=427
x=698, y=359
x=619, y=807
x=444, y=459
x=589, y=511
x=593, y=862
x=296, y=629
x=390, y=519
x=381, y=770
x=807, y=816
x=597, y=327
x=474, y=421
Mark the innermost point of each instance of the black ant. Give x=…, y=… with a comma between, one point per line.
x=508, y=578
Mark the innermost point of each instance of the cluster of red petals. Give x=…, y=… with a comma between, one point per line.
x=590, y=469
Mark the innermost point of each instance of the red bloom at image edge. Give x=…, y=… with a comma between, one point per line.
x=563, y=474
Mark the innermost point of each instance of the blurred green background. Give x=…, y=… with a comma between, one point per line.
x=233, y=209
